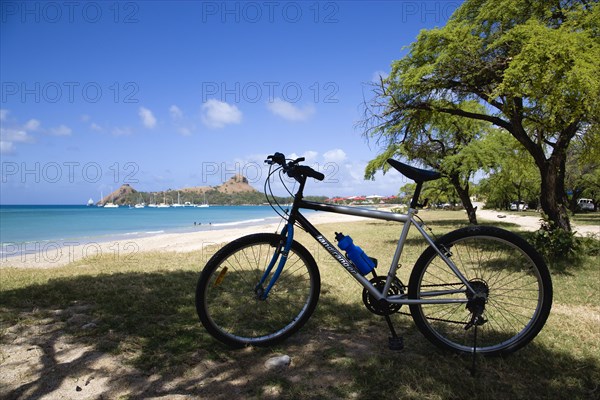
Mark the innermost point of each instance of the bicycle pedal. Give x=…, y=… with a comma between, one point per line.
x=396, y=343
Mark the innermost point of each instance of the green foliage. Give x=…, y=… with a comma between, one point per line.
x=561, y=249
x=533, y=65
x=583, y=173
x=590, y=246
x=515, y=176
x=447, y=143
x=212, y=196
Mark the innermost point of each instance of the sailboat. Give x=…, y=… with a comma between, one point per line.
x=153, y=203
x=90, y=202
x=141, y=204
x=110, y=204
x=178, y=204
x=164, y=203
x=203, y=205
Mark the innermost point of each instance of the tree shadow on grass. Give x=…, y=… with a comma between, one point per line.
x=146, y=323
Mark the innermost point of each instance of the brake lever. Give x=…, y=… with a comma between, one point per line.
x=277, y=158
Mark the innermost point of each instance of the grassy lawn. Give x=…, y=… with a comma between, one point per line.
x=587, y=218
x=142, y=312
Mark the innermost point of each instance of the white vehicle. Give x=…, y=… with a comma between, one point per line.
x=585, y=204
x=518, y=206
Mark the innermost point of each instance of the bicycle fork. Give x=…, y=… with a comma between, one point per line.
x=261, y=292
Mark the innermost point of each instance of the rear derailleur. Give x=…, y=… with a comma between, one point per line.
x=476, y=303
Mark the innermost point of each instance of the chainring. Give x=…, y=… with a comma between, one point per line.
x=382, y=307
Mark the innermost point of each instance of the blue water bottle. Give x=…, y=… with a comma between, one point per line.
x=364, y=263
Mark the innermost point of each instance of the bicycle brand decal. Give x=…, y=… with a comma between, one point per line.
x=336, y=254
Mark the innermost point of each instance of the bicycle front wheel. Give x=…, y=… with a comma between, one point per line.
x=227, y=301
x=504, y=270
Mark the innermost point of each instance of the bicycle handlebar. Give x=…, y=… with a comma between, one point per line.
x=292, y=169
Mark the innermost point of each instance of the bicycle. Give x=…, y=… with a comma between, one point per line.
x=478, y=289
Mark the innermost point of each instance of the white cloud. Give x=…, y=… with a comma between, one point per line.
x=342, y=178
x=11, y=132
x=61, y=130
x=95, y=127
x=32, y=125
x=335, y=155
x=181, y=124
x=310, y=156
x=289, y=111
x=15, y=135
x=175, y=112
x=10, y=136
x=217, y=114
x=6, y=147
x=148, y=119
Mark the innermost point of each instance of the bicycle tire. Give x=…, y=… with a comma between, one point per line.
x=228, y=305
x=519, y=291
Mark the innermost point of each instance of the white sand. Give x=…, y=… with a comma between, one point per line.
x=53, y=255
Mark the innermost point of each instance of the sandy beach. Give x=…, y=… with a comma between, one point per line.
x=53, y=255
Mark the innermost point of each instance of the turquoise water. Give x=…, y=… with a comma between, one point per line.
x=20, y=226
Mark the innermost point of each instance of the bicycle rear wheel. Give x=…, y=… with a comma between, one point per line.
x=504, y=269
x=230, y=308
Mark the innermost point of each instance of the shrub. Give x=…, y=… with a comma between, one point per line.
x=560, y=248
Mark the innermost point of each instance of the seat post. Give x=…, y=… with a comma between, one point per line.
x=414, y=203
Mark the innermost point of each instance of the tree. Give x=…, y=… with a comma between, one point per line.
x=583, y=173
x=447, y=143
x=533, y=64
x=438, y=192
x=514, y=177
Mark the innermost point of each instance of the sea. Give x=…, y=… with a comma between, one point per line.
x=33, y=228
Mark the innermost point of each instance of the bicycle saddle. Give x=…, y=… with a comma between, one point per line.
x=416, y=174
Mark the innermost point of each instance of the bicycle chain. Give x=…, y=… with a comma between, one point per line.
x=439, y=319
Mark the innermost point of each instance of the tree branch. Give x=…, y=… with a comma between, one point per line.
x=468, y=114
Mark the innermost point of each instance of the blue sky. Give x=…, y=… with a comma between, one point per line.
x=174, y=94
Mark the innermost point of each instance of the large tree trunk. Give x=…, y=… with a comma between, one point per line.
x=553, y=196
x=463, y=194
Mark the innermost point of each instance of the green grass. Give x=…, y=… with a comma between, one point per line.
x=587, y=218
x=143, y=313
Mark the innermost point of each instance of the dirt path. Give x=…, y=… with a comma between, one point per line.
x=530, y=223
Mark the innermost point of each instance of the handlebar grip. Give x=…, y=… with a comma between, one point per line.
x=318, y=176
x=309, y=172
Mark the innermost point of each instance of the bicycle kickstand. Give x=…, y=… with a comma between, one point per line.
x=476, y=320
x=395, y=342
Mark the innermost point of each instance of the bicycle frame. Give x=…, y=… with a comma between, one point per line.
x=407, y=219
